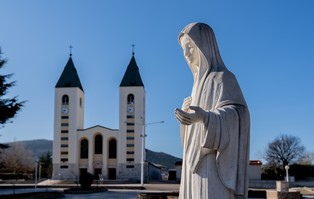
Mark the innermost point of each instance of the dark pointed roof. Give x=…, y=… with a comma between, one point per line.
x=132, y=75
x=69, y=77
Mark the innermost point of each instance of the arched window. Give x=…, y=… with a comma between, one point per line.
x=130, y=99
x=84, y=149
x=112, y=149
x=98, y=144
x=65, y=100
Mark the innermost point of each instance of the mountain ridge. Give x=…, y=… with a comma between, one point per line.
x=42, y=146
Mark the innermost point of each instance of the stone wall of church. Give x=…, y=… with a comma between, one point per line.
x=127, y=173
x=70, y=173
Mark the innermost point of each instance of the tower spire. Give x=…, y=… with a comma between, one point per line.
x=132, y=75
x=69, y=77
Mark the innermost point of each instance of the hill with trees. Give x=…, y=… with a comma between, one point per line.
x=41, y=147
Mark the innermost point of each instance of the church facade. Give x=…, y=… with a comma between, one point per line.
x=113, y=153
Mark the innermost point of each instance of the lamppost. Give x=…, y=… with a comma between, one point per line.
x=287, y=173
x=143, y=135
x=36, y=167
x=39, y=170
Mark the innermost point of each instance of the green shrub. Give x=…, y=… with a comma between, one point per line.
x=86, y=180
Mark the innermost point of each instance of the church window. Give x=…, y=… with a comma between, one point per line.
x=64, y=124
x=98, y=144
x=65, y=100
x=81, y=102
x=112, y=149
x=84, y=149
x=130, y=99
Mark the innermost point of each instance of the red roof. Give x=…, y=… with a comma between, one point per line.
x=255, y=162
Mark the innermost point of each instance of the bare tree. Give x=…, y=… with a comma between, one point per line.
x=306, y=159
x=284, y=150
x=17, y=159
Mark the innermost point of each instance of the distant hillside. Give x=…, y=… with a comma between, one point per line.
x=168, y=161
x=39, y=147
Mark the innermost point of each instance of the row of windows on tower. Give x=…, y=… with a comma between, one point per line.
x=130, y=124
x=64, y=137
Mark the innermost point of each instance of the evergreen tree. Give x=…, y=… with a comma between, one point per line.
x=9, y=107
x=45, y=162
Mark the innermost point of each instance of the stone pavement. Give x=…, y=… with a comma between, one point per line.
x=107, y=194
x=127, y=191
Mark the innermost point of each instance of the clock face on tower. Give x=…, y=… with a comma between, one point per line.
x=130, y=109
x=65, y=110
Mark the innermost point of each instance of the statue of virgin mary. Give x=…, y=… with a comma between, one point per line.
x=214, y=123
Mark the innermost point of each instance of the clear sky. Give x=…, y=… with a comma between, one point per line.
x=268, y=45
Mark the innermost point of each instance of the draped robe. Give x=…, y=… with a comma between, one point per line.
x=216, y=150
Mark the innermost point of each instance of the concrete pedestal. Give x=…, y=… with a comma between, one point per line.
x=273, y=194
x=282, y=192
x=282, y=186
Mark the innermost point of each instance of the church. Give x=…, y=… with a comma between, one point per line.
x=114, y=154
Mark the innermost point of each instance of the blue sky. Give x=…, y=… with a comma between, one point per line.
x=268, y=45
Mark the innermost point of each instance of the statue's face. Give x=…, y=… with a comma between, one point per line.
x=190, y=51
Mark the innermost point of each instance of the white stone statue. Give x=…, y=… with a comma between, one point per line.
x=214, y=123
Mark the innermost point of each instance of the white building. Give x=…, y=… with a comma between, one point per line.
x=114, y=153
x=255, y=170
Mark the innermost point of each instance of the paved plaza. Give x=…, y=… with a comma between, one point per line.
x=125, y=194
x=115, y=191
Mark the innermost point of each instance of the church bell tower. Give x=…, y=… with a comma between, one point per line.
x=68, y=118
x=132, y=117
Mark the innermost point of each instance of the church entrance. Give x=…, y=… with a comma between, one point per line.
x=112, y=174
x=83, y=171
x=97, y=172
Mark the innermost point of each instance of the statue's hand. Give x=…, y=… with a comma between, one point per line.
x=186, y=104
x=190, y=118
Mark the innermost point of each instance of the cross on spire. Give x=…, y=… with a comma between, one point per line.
x=133, y=49
x=70, y=50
